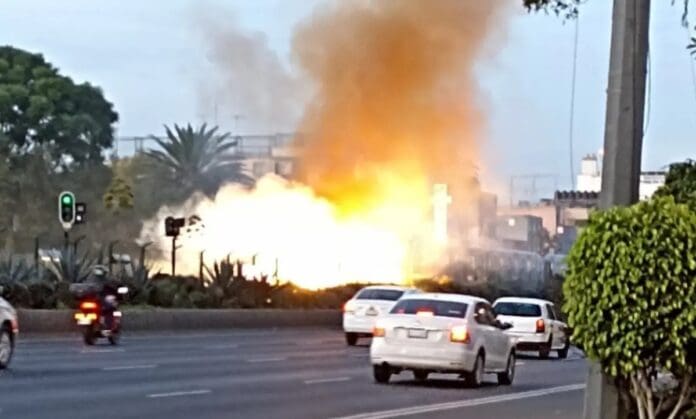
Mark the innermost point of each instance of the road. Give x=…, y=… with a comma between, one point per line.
x=298, y=373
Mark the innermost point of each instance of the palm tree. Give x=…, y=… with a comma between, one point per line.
x=199, y=158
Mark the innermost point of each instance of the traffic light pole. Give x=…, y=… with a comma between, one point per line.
x=623, y=141
x=66, y=240
x=173, y=256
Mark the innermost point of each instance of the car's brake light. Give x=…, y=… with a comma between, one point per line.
x=540, y=326
x=88, y=305
x=349, y=307
x=378, y=332
x=459, y=334
x=425, y=313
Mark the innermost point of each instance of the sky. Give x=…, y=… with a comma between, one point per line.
x=152, y=60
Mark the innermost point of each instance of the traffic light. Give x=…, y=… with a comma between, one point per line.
x=80, y=212
x=66, y=208
x=172, y=226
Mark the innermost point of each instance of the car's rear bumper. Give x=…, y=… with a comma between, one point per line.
x=358, y=324
x=453, y=358
x=529, y=341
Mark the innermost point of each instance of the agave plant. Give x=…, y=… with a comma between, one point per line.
x=220, y=281
x=15, y=270
x=15, y=276
x=139, y=283
x=72, y=267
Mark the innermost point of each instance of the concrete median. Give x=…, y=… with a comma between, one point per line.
x=61, y=321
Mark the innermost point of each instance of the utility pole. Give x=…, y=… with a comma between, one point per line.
x=623, y=140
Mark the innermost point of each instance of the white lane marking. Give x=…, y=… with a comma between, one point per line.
x=227, y=346
x=129, y=367
x=258, y=360
x=101, y=351
x=327, y=380
x=518, y=363
x=178, y=394
x=409, y=411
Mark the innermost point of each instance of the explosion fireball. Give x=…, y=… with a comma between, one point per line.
x=395, y=110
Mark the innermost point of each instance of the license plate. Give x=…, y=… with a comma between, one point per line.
x=417, y=333
x=84, y=322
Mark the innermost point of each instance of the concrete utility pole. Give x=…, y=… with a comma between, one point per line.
x=623, y=141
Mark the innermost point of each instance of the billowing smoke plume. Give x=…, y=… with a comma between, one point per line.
x=248, y=79
x=394, y=111
x=396, y=94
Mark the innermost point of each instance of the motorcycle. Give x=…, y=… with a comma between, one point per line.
x=100, y=318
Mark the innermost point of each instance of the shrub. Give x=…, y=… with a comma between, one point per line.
x=630, y=295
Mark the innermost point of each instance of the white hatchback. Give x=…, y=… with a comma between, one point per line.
x=8, y=331
x=535, y=325
x=442, y=333
x=360, y=312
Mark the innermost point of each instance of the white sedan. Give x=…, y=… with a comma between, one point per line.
x=442, y=333
x=8, y=332
x=360, y=312
x=535, y=325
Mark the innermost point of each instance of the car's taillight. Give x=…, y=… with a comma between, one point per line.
x=459, y=334
x=88, y=305
x=378, y=332
x=540, y=326
x=425, y=313
x=349, y=307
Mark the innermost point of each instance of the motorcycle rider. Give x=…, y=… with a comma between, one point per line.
x=107, y=295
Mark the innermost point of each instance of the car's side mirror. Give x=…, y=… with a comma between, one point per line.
x=505, y=326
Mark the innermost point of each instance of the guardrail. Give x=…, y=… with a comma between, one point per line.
x=61, y=321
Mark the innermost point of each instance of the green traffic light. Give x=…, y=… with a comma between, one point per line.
x=67, y=199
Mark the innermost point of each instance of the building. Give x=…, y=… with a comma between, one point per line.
x=590, y=178
x=264, y=154
x=520, y=232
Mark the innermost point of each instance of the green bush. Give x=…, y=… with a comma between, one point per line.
x=630, y=293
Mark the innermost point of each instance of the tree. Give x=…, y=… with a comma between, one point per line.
x=119, y=195
x=680, y=183
x=199, y=159
x=38, y=106
x=566, y=8
x=630, y=292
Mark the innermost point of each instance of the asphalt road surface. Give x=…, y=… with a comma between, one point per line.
x=289, y=373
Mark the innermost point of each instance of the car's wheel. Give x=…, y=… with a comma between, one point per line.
x=505, y=378
x=6, y=347
x=420, y=375
x=563, y=352
x=545, y=350
x=475, y=377
x=381, y=373
x=351, y=339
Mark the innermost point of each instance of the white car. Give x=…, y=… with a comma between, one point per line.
x=360, y=312
x=8, y=331
x=442, y=333
x=535, y=325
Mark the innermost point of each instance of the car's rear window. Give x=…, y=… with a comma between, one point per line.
x=438, y=308
x=518, y=309
x=379, y=294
